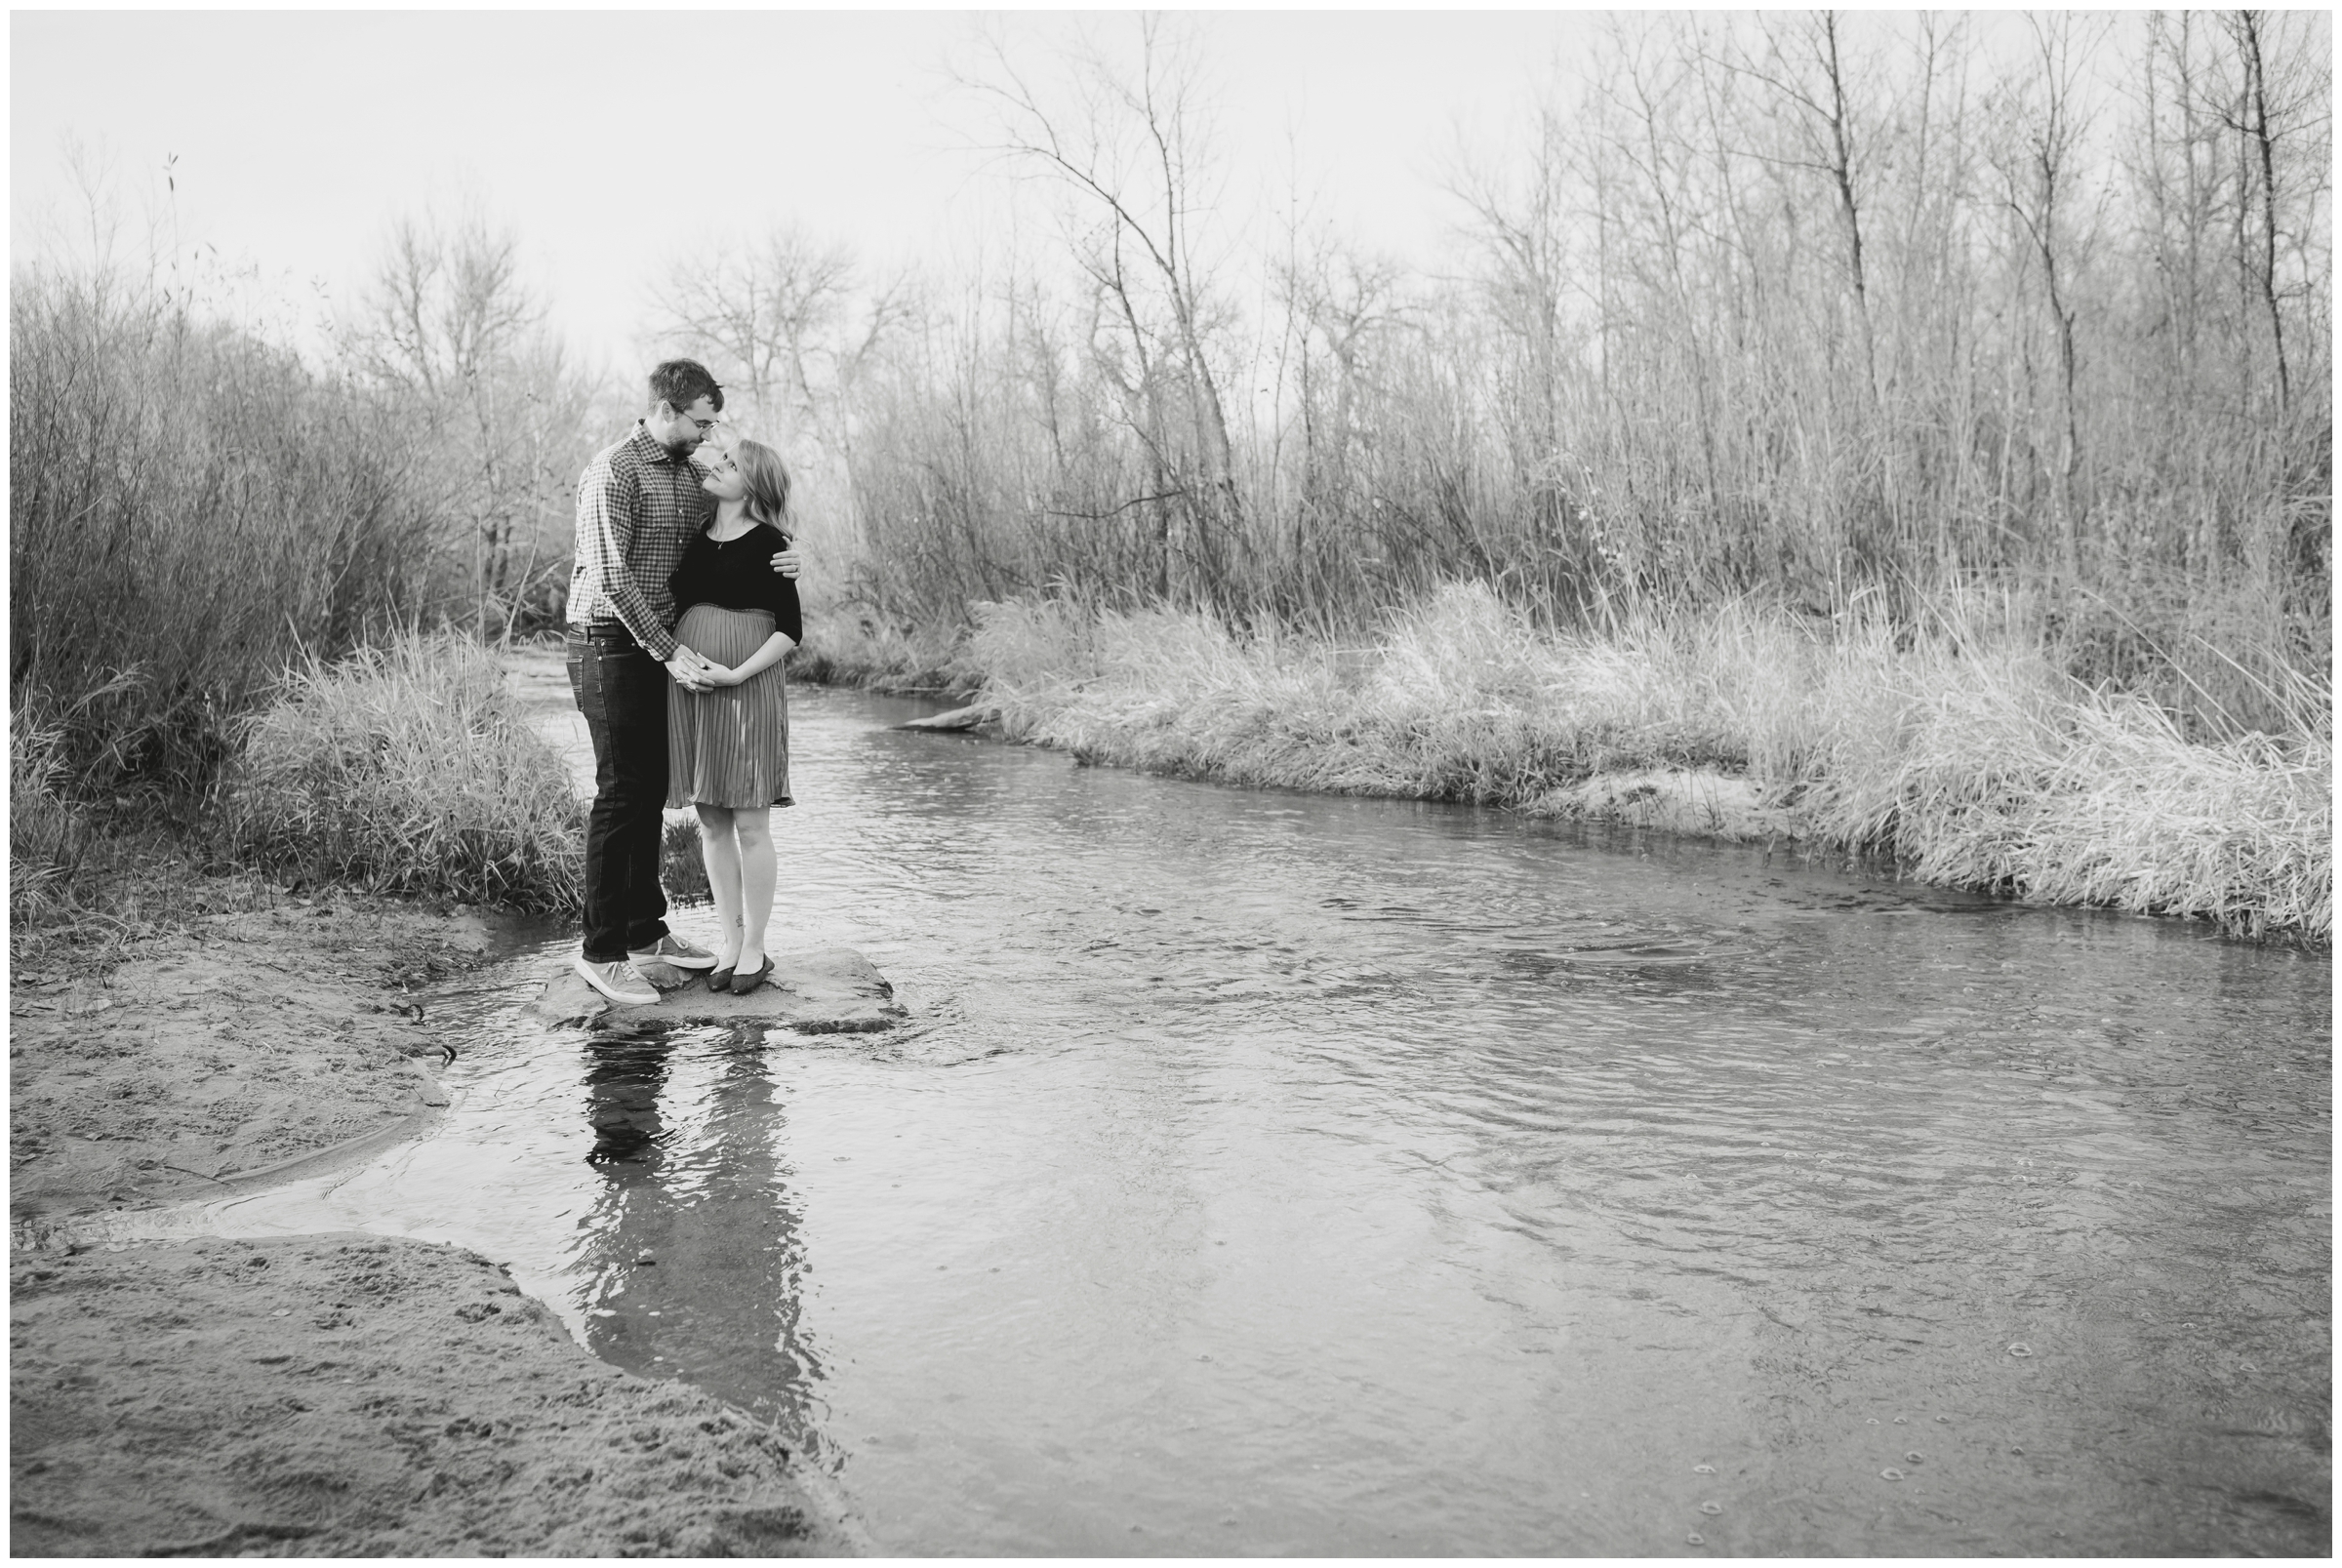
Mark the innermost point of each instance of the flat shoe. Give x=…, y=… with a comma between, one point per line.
x=721, y=980
x=744, y=984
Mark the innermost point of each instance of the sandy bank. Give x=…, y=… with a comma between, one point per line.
x=348, y=1396
x=315, y=1395
x=258, y=1037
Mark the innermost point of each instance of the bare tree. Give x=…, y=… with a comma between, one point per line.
x=1808, y=306
x=2272, y=104
x=1338, y=305
x=1528, y=231
x=2047, y=120
x=1132, y=145
x=1807, y=71
x=789, y=320
x=456, y=338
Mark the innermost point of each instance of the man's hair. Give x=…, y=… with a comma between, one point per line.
x=681, y=383
x=767, y=479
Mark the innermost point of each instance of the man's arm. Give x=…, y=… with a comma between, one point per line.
x=606, y=526
x=790, y=562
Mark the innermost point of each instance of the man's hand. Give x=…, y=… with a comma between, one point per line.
x=690, y=670
x=789, y=561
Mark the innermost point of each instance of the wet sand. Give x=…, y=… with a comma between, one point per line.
x=351, y=1395
x=313, y=1396
x=259, y=1037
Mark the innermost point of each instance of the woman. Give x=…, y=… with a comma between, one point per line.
x=728, y=747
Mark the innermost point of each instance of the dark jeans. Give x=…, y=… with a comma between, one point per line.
x=621, y=691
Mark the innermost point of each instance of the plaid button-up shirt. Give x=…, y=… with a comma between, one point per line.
x=639, y=506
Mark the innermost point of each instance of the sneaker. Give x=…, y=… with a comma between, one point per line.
x=673, y=949
x=617, y=981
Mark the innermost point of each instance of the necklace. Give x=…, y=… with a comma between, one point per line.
x=748, y=526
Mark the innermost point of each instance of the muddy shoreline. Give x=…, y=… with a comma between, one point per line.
x=312, y=1396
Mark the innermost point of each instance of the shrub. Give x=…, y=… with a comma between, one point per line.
x=408, y=768
x=189, y=506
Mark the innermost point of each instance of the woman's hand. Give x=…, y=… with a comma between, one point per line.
x=689, y=670
x=721, y=676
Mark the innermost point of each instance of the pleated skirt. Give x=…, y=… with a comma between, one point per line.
x=728, y=746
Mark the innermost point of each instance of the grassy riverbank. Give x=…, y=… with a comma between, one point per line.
x=406, y=768
x=1960, y=747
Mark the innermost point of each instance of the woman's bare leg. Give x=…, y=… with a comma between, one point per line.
x=758, y=874
x=721, y=856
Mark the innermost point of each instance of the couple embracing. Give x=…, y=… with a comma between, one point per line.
x=681, y=606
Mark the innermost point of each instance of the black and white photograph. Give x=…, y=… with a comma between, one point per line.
x=1197, y=783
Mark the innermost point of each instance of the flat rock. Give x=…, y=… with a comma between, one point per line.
x=959, y=718
x=833, y=990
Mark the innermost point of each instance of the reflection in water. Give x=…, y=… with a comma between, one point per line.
x=623, y=1099
x=689, y=1263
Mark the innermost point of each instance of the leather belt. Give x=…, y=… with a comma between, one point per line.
x=619, y=635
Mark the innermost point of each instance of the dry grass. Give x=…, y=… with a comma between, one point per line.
x=2104, y=802
x=136, y=883
x=849, y=645
x=407, y=768
x=1458, y=700
x=86, y=880
x=1961, y=749
x=88, y=875
x=47, y=837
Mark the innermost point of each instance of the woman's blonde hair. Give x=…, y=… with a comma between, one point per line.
x=767, y=479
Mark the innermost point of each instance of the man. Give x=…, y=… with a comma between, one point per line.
x=639, y=503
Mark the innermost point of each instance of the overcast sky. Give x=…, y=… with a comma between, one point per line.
x=297, y=136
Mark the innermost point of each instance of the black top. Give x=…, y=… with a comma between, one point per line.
x=738, y=575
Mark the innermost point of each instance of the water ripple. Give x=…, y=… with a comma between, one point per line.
x=1386, y=1177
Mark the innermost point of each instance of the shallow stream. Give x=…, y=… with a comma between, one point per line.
x=1267, y=1172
